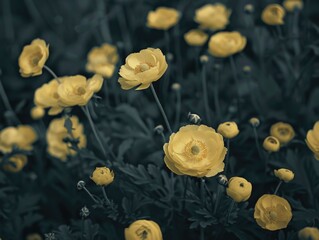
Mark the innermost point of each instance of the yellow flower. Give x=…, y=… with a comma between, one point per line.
x=284, y=174
x=273, y=14
x=22, y=137
x=142, y=68
x=228, y=129
x=196, y=151
x=195, y=37
x=212, y=16
x=37, y=112
x=102, y=60
x=309, y=233
x=271, y=144
x=225, y=44
x=34, y=236
x=162, y=18
x=16, y=163
x=312, y=140
x=33, y=58
x=77, y=90
x=239, y=189
x=272, y=212
x=283, y=132
x=254, y=122
x=143, y=229
x=56, y=134
x=102, y=176
x=47, y=96
x=291, y=5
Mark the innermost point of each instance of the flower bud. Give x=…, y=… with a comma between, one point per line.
x=284, y=174
x=284, y=132
x=102, y=176
x=222, y=180
x=228, y=129
x=159, y=129
x=169, y=57
x=143, y=229
x=49, y=236
x=80, y=185
x=271, y=144
x=203, y=59
x=33, y=236
x=309, y=233
x=194, y=118
x=176, y=86
x=254, y=122
x=249, y=8
x=247, y=69
x=239, y=189
x=84, y=212
x=37, y=113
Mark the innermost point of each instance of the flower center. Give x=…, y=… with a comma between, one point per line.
x=195, y=150
x=272, y=141
x=55, y=95
x=273, y=215
x=283, y=131
x=80, y=91
x=142, y=232
x=142, y=67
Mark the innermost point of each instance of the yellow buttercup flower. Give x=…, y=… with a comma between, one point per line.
x=309, y=233
x=312, y=140
x=272, y=212
x=162, y=18
x=37, y=112
x=34, y=236
x=102, y=60
x=77, y=90
x=22, y=137
x=271, y=144
x=273, y=14
x=212, y=16
x=143, y=229
x=225, y=44
x=283, y=132
x=291, y=5
x=228, y=129
x=102, y=176
x=239, y=189
x=33, y=58
x=284, y=174
x=16, y=163
x=196, y=151
x=56, y=134
x=142, y=68
x=195, y=37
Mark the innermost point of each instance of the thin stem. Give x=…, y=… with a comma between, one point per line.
x=105, y=196
x=205, y=95
x=90, y=194
x=178, y=108
x=166, y=36
x=178, y=52
x=202, y=194
x=295, y=32
x=234, y=71
x=231, y=207
x=161, y=109
x=163, y=137
x=257, y=143
x=216, y=94
x=184, y=193
x=105, y=29
x=278, y=186
x=227, y=155
x=52, y=73
x=218, y=194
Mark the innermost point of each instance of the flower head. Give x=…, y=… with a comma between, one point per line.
x=273, y=14
x=271, y=144
x=162, y=18
x=102, y=176
x=284, y=174
x=16, y=163
x=33, y=58
x=143, y=229
x=239, y=189
x=254, y=121
x=291, y=5
x=312, y=140
x=37, y=112
x=283, y=132
x=309, y=233
x=272, y=212
x=195, y=151
x=228, y=129
x=195, y=37
x=34, y=236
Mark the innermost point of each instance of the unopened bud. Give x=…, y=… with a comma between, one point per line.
x=80, y=185
x=194, y=118
x=84, y=212
x=249, y=8
x=203, y=59
x=254, y=122
x=176, y=86
x=222, y=180
x=159, y=129
x=169, y=57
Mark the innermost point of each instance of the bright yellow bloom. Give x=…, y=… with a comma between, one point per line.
x=225, y=44
x=273, y=14
x=283, y=132
x=196, y=151
x=56, y=134
x=142, y=68
x=77, y=90
x=309, y=233
x=102, y=60
x=284, y=174
x=143, y=229
x=102, y=176
x=37, y=112
x=272, y=212
x=195, y=37
x=34, y=236
x=239, y=189
x=312, y=140
x=271, y=144
x=33, y=58
x=291, y=5
x=162, y=18
x=212, y=16
x=16, y=163
x=228, y=129
x=22, y=137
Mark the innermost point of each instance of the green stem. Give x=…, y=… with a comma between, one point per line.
x=178, y=108
x=90, y=194
x=227, y=155
x=218, y=195
x=166, y=36
x=202, y=194
x=105, y=30
x=105, y=196
x=216, y=94
x=231, y=207
x=278, y=186
x=205, y=95
x=257, y=143
x=52, y=73
x=234, y=71
x=184, y=193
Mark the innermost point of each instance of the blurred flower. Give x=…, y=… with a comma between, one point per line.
x=33, y=58
x=162, y=18
x=312, y=140
x=247, y=69
x=196, y=151
x=37, y=113
x=176, y=86
x=102, y=60
x=85, y=212
x=34, y=236
x=195, y=37
x=228, y=129
x=222, y=180
x=102, y=176
x=249, y=8
x=254, y=121
x=22, y=137
x=239, y=189
x=273, y=14
x=291, y=5
x=212, y=16
x=143, y=229
x=272, y=212
x=203, y=58
x=194, y=118
x=309, y=233
x=271, y=144
x=56, y=134
x=77, y=90
x=16, y=163
x=284, y=174
x=142, y=68
x=49, y=236
x=225, y=44
x=283, y=132
x=159, y=129
x=80, y=185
